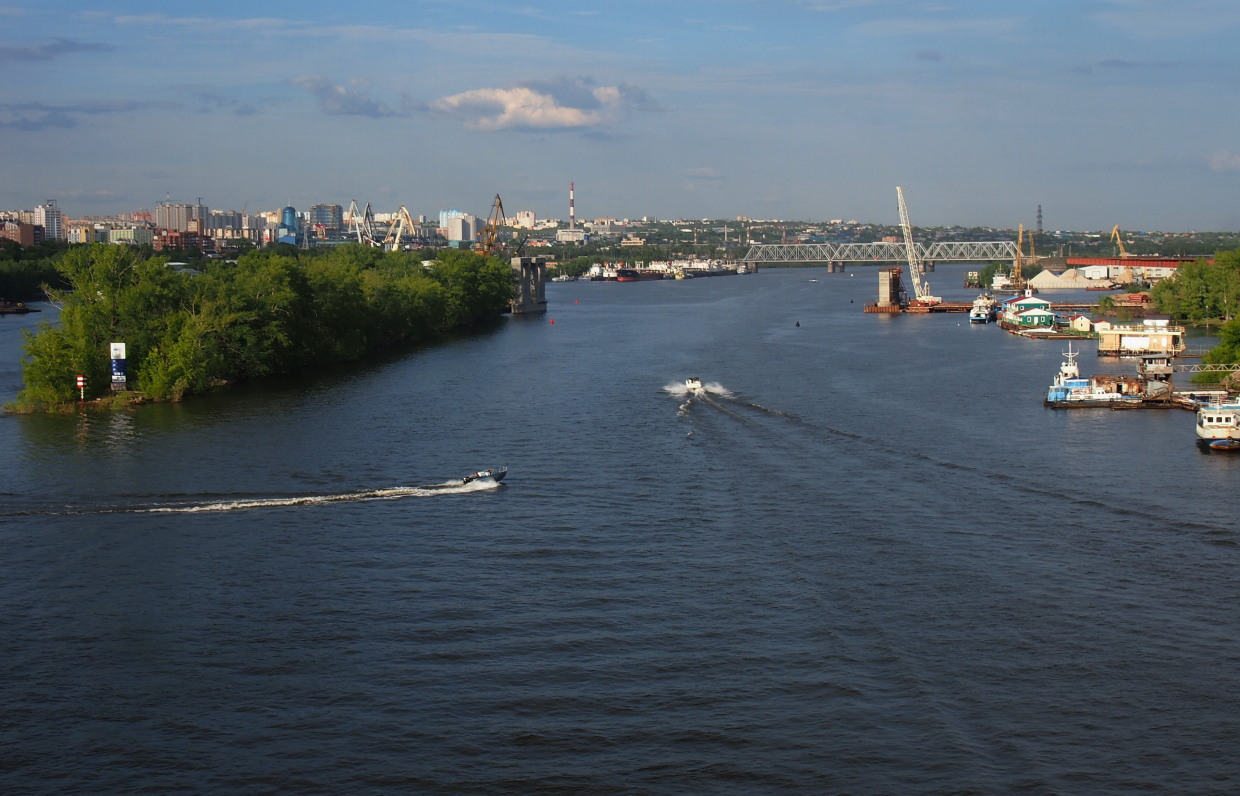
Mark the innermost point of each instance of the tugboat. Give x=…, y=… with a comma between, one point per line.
x=495, y=474
x=1070, y=390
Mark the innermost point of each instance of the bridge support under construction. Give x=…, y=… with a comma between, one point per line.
x=529, y=277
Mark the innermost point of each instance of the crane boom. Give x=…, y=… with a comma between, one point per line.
x=490, y=233
x=920, y=288
x=1119, y=239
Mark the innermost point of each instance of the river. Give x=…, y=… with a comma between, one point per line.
x=867, y=560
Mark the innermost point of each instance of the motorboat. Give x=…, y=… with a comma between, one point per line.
x=693, y=384
x=495, y=474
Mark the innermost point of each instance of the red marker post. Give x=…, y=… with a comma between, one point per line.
x=81, y=382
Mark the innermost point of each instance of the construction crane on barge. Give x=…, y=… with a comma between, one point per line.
x=922, y=299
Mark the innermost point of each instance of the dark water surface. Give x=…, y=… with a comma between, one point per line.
x=869, y=561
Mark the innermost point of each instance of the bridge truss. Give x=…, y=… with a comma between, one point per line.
x=939, y=252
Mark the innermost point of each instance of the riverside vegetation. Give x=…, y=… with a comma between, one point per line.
x=1206, y=291
x=269, y=312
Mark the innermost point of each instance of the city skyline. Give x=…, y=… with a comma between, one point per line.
x=1103, y=112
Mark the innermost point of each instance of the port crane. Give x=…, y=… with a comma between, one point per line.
x=922, y=296
x=1119, y=240
x=401, y=227
x=490, y=233
x=363, y=223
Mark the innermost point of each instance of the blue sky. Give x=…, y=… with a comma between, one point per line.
x=1103, y=111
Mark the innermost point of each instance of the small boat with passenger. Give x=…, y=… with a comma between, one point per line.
x=693, y=384
x=494, y=473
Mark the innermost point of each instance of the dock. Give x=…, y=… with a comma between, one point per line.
x=965, y=306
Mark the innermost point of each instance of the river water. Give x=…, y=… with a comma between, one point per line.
x=868, y=560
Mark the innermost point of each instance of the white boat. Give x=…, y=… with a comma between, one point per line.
x=495, y=474
x=1218, y=423
x=693, y=384
x=1070, y=390
x=983, y=310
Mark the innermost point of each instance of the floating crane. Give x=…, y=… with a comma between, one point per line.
x=920, y=288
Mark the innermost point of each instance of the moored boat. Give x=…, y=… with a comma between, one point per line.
x=983, y=309
x=637, y=275
x=1219, y=422
x=1070, y=390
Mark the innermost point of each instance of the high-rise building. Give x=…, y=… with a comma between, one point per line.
x=177, y=216
x=447, y=215
x=464, y=228
x=225, y=220
x=48, y=216
x=331, y=217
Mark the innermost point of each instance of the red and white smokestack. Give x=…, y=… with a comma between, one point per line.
x=572, y=211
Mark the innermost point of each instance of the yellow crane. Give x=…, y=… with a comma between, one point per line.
x=1017, y=281
x=490, y=233
x=1119, y=239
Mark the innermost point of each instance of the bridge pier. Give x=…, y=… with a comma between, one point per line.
x=529, y=277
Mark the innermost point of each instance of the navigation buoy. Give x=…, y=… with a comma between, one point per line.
x=553, y=321
x=798, y=324
x=576, y=301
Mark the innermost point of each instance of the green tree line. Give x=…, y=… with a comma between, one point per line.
x=1204, y=291
x=270, y=312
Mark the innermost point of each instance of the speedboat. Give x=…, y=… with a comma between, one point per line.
x=693, y=384
x=494, y=473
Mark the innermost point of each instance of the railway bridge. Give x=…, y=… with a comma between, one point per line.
x=837, y=254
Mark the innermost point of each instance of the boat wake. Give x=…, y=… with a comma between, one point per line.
x=779, y=438
x=716, y=395
x=197, y=505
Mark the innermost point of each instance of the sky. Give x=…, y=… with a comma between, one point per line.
x=1103, y=112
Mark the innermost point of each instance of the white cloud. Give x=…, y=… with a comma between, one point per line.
x=562, y=104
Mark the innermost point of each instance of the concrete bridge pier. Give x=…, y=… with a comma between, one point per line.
x=529, y=276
